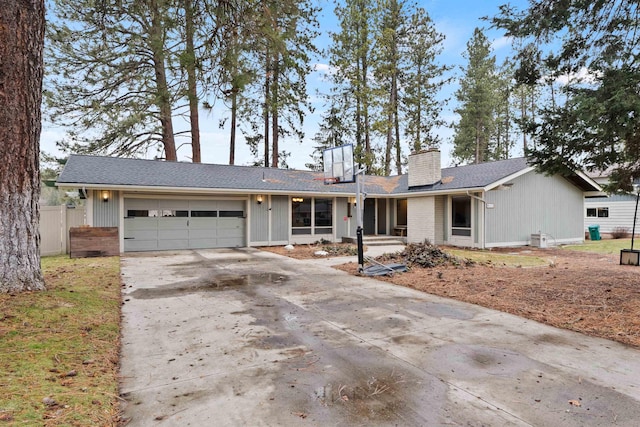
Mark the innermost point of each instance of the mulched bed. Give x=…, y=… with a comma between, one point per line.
x=584, y=292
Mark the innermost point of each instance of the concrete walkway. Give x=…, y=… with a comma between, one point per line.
x=244, y=337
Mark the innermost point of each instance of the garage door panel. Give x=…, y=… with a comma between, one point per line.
x=151, y=234
x=173, y=223
x=203, y=223
x=203, y=234
x=138, y=224
x=174, y=204
x=231, y=205
x=141, y=204
x=203, y=205
x=203, y=243
x=131, y=245
x=230, y=242
x=173, y=244
x=162, y=224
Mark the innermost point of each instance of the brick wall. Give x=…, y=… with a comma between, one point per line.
x=421, y=222
x=424, y=168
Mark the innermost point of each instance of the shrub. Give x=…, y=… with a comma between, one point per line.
x=620, y=233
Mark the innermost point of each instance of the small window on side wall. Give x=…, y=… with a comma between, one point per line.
x=591, y=212
x=603, y=212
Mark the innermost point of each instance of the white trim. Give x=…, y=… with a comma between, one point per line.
x=275, y=243
x=89, y=205
x=182, y=197
x=508, y=178
x=121, y=221
x=553, y=242
x=133, y=189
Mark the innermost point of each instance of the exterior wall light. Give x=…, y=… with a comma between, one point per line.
x=105, y=196
x=259, y=199
x=297, y=199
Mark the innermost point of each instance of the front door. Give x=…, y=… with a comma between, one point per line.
x=382, y=216
x=369, y=217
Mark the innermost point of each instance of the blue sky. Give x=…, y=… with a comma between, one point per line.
x=456, y=19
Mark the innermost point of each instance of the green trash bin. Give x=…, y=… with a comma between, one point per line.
x=594, y=232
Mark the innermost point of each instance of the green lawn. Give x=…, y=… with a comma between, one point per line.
x=606, y=246
x=59, y=348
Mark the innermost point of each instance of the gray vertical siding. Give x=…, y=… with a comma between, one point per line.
x=106, y=214
x=441, y=202
x=342, y=226
x=279, y=218
x=536, y=203
x=259, y=222
x=477, y=219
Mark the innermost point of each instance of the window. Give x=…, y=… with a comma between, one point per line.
x=323, y=216
x=597, y=212
x=311, y=216
x=172, y=213
x=204, y=214
x=142, y=214
x=300, y=216
x=231, y=214
x=461, y=216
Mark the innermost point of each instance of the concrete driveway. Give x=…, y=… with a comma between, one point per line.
x=244, y=337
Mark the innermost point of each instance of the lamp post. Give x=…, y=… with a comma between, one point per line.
x=631, y=256
x=636, y=187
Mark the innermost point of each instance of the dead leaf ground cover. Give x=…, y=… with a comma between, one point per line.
x=580, y=290
x=59, y=348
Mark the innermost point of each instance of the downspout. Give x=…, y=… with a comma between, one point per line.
x=484, y=220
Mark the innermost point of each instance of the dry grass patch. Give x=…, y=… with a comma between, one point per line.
x=59, y=348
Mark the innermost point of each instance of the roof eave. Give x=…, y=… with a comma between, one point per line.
x=506, y=179
x=194, y=190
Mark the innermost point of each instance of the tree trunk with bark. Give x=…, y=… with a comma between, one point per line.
x=163, y=97
x=21, y=68
x=192, y=86
x=275, y=150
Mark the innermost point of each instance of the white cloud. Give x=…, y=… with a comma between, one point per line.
x=584, y=75
x=501, y=42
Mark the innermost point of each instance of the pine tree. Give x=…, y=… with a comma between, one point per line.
x=21, y=68
x=596, y=126
x=281, y=48
x=351, y=56
x=110, y=80
x=476, y=95
x=422, y=80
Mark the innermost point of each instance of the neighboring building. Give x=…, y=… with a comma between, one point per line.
x=172, y=205
x=610, y=213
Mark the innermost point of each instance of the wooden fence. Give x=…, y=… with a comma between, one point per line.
x=55, y=222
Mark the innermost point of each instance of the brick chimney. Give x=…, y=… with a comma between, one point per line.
x=424, y=168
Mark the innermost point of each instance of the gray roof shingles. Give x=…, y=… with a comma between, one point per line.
x=112, y=171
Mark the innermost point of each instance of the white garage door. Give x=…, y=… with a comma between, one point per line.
x=157, y=224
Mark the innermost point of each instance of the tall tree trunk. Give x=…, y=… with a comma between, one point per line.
x=523, y=115
x=21, y=64
x=389, y=144
x=234, y=115
x=192, y=87
x=365, y=111
x=274, y=114
x=267, y=106
x=396, y=123
x=478, y=142
x=163, y=99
